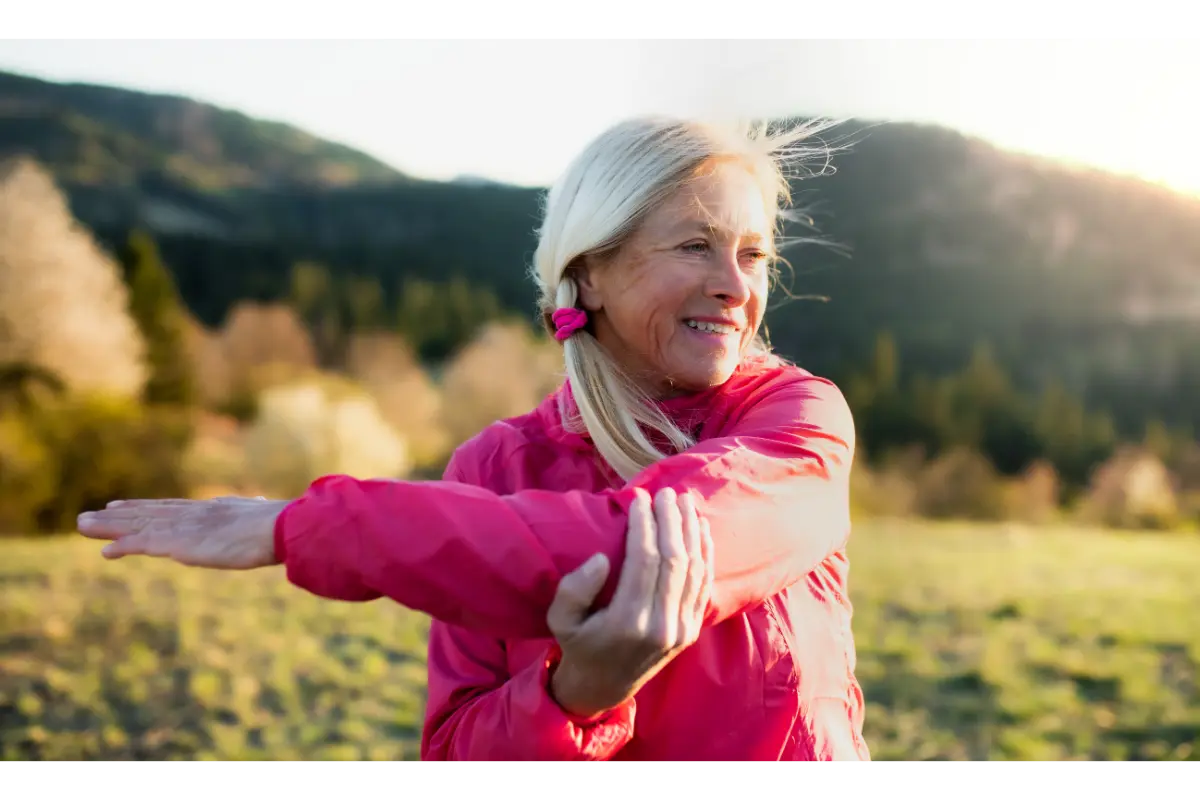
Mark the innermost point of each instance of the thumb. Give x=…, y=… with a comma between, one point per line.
x=133, y=544
x=576, y=592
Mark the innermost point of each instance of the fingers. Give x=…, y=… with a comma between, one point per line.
x=124, y=513
x=672, y=567
x=177, y=501
x=574, y=597
x=123, y=517
x=634, y=596
x=693, y=571
x=142, y=503
x=115, y=522
x=109, y=524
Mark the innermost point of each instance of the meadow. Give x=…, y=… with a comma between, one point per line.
x=974, y=642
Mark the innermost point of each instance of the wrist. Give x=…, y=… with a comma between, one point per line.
x=273, y=536
x=577, y=693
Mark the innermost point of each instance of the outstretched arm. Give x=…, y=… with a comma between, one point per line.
x=775, y=492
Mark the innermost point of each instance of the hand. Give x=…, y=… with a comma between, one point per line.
x=657, y=611
x=224, y=533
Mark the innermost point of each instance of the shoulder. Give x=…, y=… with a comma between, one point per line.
x=488, y=455
x=793, y=396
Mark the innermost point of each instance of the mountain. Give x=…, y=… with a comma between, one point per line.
x=1076, y=277
x=102, y=136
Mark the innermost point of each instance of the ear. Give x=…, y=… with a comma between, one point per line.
x=587, y=281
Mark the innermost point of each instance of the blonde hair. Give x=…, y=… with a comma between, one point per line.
x=602, y=198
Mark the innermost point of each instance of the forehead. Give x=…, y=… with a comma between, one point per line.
x=726, y=199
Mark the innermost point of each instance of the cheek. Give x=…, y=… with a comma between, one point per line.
x=758, y=300
x=654, y=298
x=665, y=303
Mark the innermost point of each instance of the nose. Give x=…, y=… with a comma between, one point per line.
x=727, y=280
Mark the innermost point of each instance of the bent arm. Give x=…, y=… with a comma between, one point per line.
x=775, y=491
x=477, y=713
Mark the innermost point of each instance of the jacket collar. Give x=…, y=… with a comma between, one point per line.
x=686, y=410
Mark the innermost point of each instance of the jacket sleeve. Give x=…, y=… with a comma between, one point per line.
x=476, y=712
x=775, y=491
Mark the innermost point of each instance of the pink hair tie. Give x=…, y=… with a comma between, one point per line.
x=567, y=321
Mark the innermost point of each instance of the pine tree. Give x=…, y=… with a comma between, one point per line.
x=158, y=310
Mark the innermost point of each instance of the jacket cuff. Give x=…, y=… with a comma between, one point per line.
x=576, y=737
x=315, y=541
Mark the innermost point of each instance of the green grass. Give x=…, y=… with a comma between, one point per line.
x=973, y=643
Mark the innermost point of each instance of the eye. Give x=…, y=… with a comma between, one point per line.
x=755, y=257
x=699, y=248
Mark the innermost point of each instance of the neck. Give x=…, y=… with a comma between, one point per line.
x=666, y=390
x=654, y=385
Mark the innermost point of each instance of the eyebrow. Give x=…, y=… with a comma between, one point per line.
x=718, y=230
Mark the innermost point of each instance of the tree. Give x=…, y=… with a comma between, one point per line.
x=265, y=343
x=23, y=386
x=440, y=318
x=63, y=305
x=318, y=426
x=312, y=294
x=504, y=371
x=364, y=304
x=156, y=307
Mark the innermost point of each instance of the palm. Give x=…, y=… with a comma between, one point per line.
x=226, y=533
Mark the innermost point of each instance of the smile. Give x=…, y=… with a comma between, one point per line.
x=711, y=327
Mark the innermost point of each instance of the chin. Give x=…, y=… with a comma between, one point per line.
x=697, y=378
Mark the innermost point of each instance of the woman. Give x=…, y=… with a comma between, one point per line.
x=653, y=263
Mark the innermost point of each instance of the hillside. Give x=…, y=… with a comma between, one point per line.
x=107, y=137
x=1079, y=278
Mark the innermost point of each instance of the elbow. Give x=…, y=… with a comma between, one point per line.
x=817, y=521
x=438, y=735
x=433, y=750
x=836, y=509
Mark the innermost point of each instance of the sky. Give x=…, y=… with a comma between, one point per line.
x=517, y=111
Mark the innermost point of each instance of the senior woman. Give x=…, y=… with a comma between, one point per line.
x=573, y=616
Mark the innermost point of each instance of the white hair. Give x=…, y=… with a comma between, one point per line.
x=601, y=199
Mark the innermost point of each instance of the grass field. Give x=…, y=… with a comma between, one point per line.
x=980, y=643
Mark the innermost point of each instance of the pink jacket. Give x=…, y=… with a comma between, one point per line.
x=525, y=502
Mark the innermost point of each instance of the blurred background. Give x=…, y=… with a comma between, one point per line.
x=231, y=267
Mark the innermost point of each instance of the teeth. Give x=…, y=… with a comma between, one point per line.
x=711, y=327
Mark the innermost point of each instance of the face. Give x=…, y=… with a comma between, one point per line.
x=682, y=299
